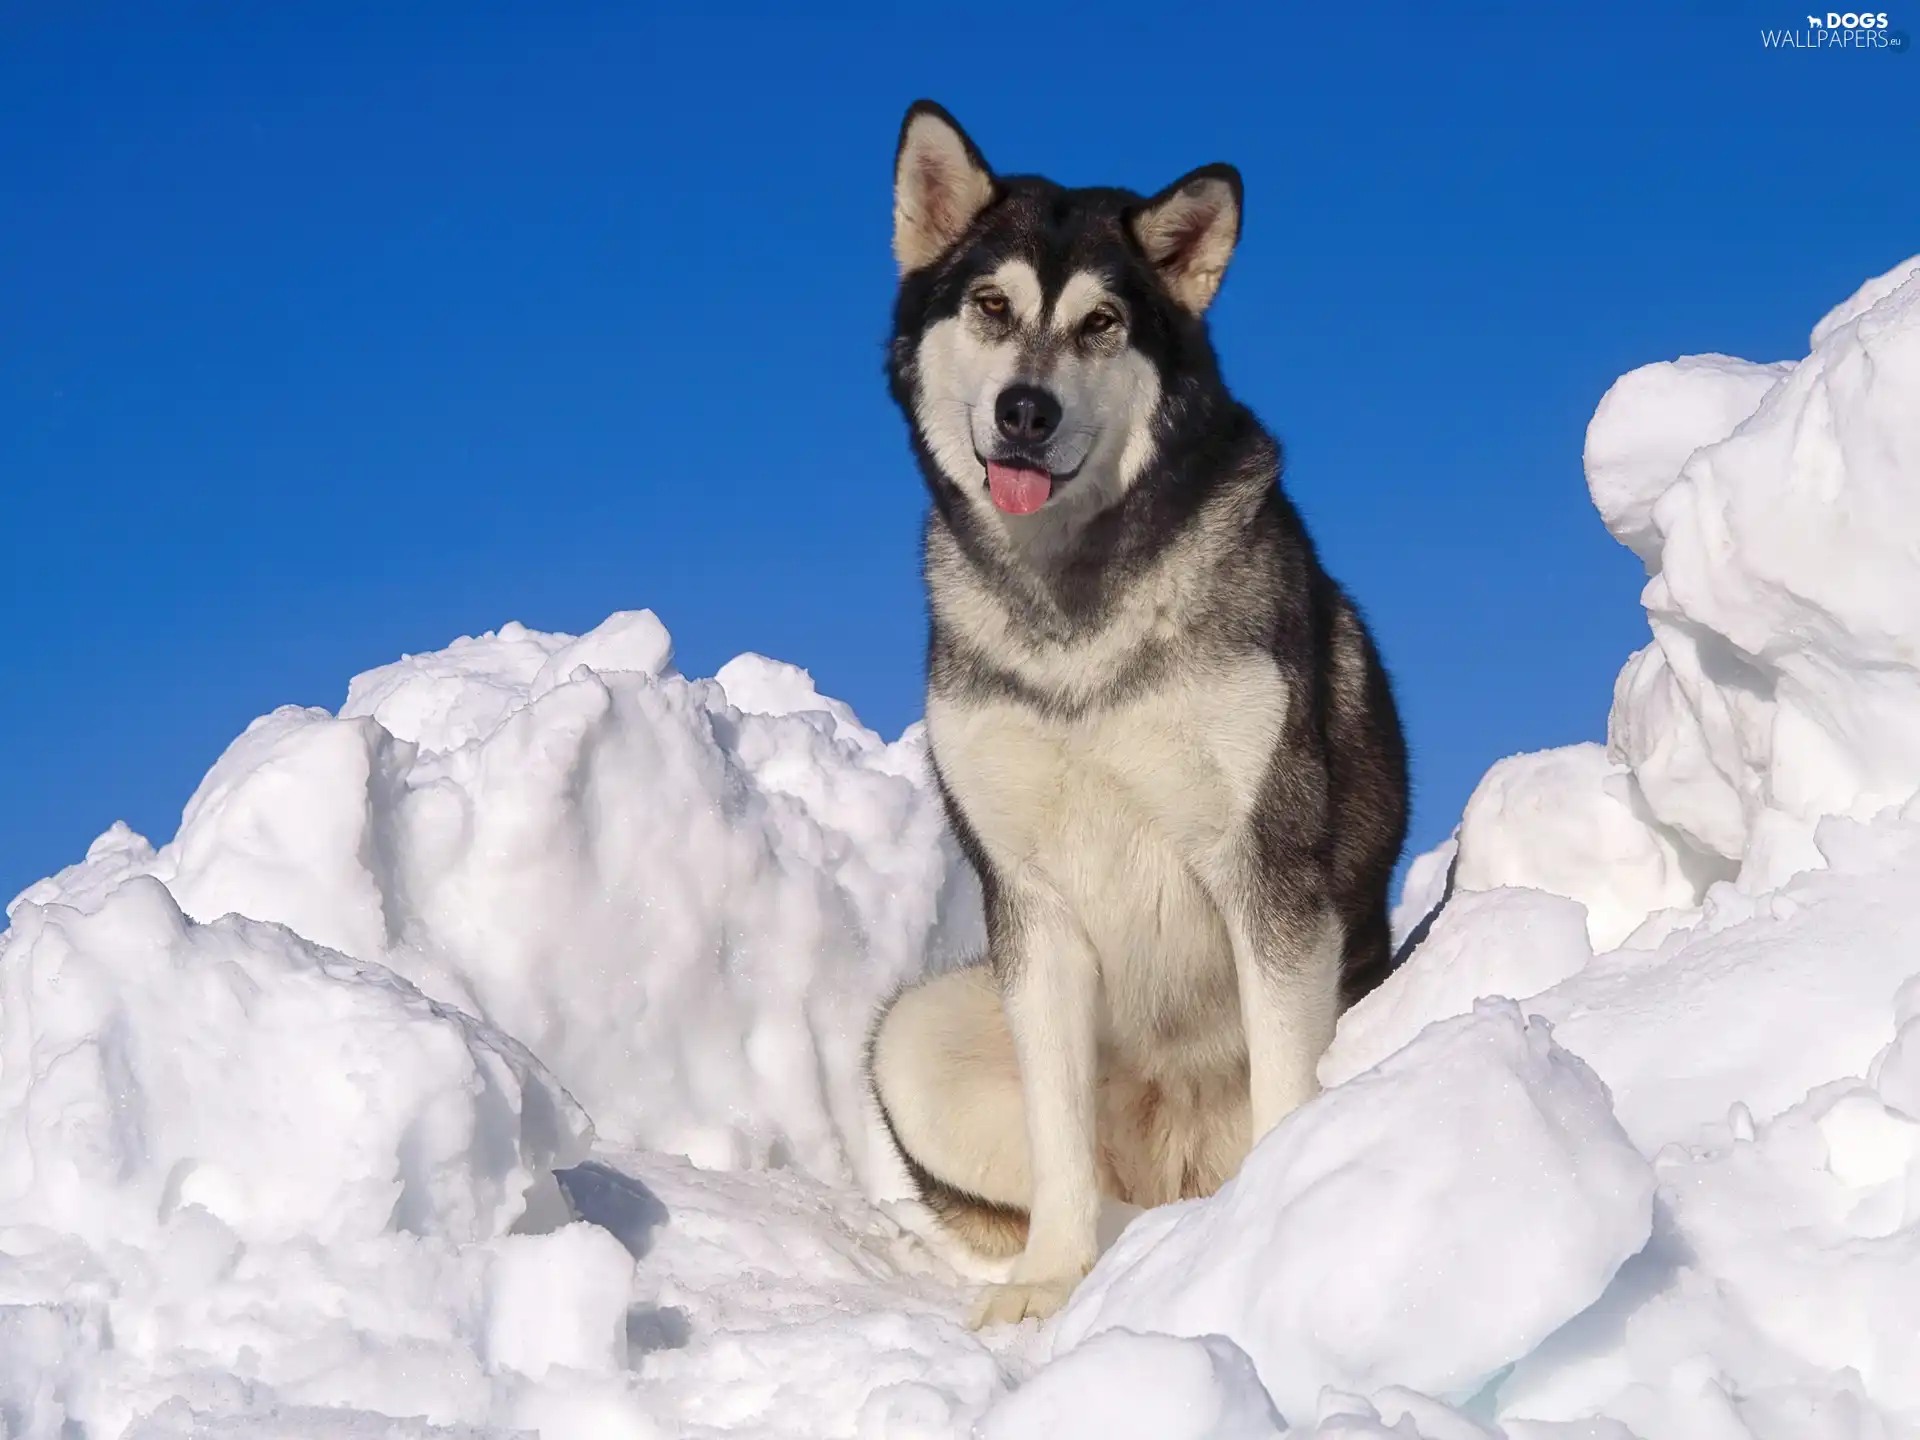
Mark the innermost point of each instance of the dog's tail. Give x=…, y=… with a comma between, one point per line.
x=1419, y=932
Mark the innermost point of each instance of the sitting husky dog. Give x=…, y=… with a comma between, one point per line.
x=1162, y=733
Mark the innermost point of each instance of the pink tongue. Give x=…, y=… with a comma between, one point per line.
x=1018, y=491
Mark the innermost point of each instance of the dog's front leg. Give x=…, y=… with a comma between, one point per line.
x=1049, y=981
x=1288, y=946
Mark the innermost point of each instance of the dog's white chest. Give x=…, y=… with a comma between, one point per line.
x=1183, y=764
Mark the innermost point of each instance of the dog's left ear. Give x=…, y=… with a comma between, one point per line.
x=940, y=183
x=1188, y=231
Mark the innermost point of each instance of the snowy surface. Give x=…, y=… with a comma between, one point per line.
x=484, y=1059
x=1558, y=1200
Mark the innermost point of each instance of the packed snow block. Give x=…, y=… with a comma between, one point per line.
x=1568, y=821
x=558, y=1299
x=1425, y=1224
x=294, y=824
x=1511, y=943
x=1647, y=425
x=1123, y=1386
x=1785, y=598
x=153, y=1064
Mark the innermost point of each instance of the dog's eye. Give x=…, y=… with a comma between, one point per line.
x=1099, y=323
x=992, y=305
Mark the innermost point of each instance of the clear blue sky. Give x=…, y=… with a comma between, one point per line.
x=329, y=332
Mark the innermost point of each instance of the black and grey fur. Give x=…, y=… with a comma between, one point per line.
x=1162, y=732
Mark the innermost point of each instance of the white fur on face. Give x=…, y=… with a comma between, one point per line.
x=1112, y=391
x=1077, y=298
x=964, y=365
x=1016, y=280
x=1108, y=392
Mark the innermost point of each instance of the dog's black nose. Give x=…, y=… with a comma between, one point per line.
x=1026, y=414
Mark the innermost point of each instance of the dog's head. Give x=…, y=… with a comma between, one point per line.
x=1047, y=340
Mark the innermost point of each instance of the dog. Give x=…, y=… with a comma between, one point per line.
x=1162, y=734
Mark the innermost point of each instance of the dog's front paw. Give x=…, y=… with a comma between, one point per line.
x=1021, y=1300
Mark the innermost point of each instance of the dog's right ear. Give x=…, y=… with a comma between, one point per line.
x=1189, y=230
x=940, y=183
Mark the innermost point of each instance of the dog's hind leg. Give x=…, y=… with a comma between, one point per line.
x=948, y=1085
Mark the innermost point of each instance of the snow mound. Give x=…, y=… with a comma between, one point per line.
x=1783, y=681
x=1123, y=1386
x=1568, y=822
x=1354, y=1250
x=1746, y=854
x=235, y=1163
x=1513, y=942
x=1778, y=1293
x=1650, y=422
x=1775, y=510
x=154, y=1065
x=275, y=1149
x=685, y=896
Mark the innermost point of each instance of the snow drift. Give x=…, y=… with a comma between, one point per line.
x=1341, y=1252
x=484, y=1059
x=292, y=1051
x=686, y=896
x=287, y=1091
x=1775, y=509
